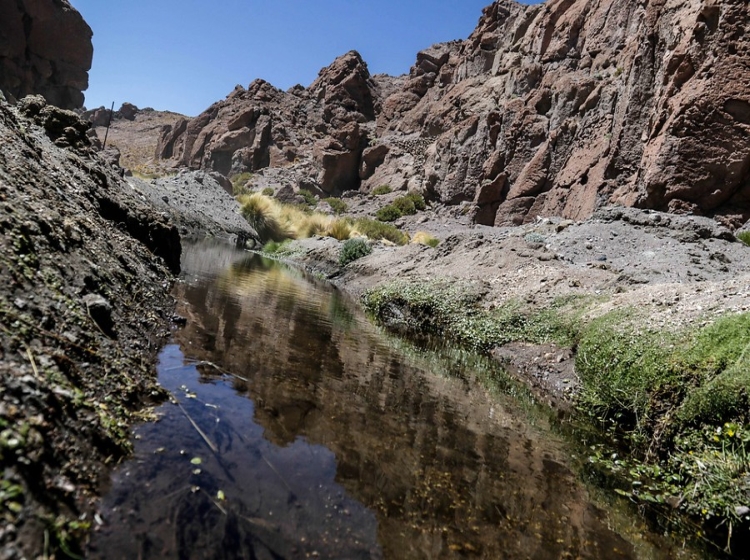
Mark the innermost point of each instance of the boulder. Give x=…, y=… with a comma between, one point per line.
x=46, y=49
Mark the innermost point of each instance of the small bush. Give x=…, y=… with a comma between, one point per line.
x=275, y=247
x=338, y=205
x=268, y=191
x=376, y=230
x=405, y=206
x=418, y=200
x=424, y=238
x=353, y=249
x=388, y=214
x=381, y=190
x=238, y=183
x=744, y=236
x=309, y=197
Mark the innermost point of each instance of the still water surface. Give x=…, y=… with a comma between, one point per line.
x=298, y=430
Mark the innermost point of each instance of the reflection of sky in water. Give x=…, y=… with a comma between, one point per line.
x=329, y=440
x=182, y=499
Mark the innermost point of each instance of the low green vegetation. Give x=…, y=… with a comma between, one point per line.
x=377, y=230
x=381, y=190
x=238, y=183
x=744, y=236
x=338, y=205
x=353, y=249
x=679, y=399
x=424, y=238
x=407, y=205
x=309, y=197
x=268, y=191
x=452, y=309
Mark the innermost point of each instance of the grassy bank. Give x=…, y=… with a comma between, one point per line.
x=677, y=400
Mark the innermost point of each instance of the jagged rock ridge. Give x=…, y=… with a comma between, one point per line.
x=45, y=48
x=550, y=109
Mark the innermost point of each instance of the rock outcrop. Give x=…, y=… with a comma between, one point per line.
x=320, y=131
x=551, y=109
x=45, y=48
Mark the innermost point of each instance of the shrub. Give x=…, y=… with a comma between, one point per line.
x=744, y=236
x=405, y=206
x=338, y=205
x=353, y=249
x=381, y=190
x=309, y=197
x=238, y=183
x=418, y=200
x=424, y=238
x=274, y=247
x=376, y=230
x=388, y=213
x=268, y=191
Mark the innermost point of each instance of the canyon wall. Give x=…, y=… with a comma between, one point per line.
x=551, y=109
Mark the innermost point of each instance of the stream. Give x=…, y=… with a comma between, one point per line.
x=298, y=429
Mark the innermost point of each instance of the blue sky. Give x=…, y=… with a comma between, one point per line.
x=183, y=55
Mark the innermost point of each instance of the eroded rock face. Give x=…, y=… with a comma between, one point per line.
x=320, y=129
x=551, y=109
x=556, y=109
x=45, y=48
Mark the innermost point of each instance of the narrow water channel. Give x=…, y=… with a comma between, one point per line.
x=298, y=430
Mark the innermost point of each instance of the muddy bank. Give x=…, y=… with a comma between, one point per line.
x=84, y=304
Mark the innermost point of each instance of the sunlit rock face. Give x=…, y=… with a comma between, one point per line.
x=549, y=109
x=45, y=48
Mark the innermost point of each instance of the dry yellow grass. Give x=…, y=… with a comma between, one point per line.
x=424, y=238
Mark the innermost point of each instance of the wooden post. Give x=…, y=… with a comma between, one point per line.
x=109, y=122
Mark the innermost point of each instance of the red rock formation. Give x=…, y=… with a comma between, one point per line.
x=316, y=129
x=45, y=48
x=551, y=109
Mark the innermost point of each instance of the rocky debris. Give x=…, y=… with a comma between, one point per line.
x=84, y=306
x=199, y=203
x=45, y=48
x=551, y=109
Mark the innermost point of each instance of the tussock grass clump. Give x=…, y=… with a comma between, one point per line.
x=424, y=238
x=341, y=229
x=338, y=205
x=268, y=191
x=405, y=206
x=264, y=216
x=381, y=190
x=353, y=249
x=388, y=213
x=309, y=197
x=376, y=230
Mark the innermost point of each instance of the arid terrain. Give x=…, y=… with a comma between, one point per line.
x=582, y=171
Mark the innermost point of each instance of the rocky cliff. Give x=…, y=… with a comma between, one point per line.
x=550, y=109
x=45, y=48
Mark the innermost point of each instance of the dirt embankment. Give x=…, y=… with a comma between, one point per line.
x=84, y=307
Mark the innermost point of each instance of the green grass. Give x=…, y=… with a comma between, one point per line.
x=338, y=205
x=377, y=230
x=268, y=191
x=381, y=190
x=388, y=213
x=238, y=183
x=451, y=309
x=353, y=249
x=744, y=236
x=309, y=197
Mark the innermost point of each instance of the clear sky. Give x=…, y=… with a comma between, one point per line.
x=183, y=55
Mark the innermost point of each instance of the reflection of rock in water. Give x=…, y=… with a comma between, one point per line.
x=445, y=476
